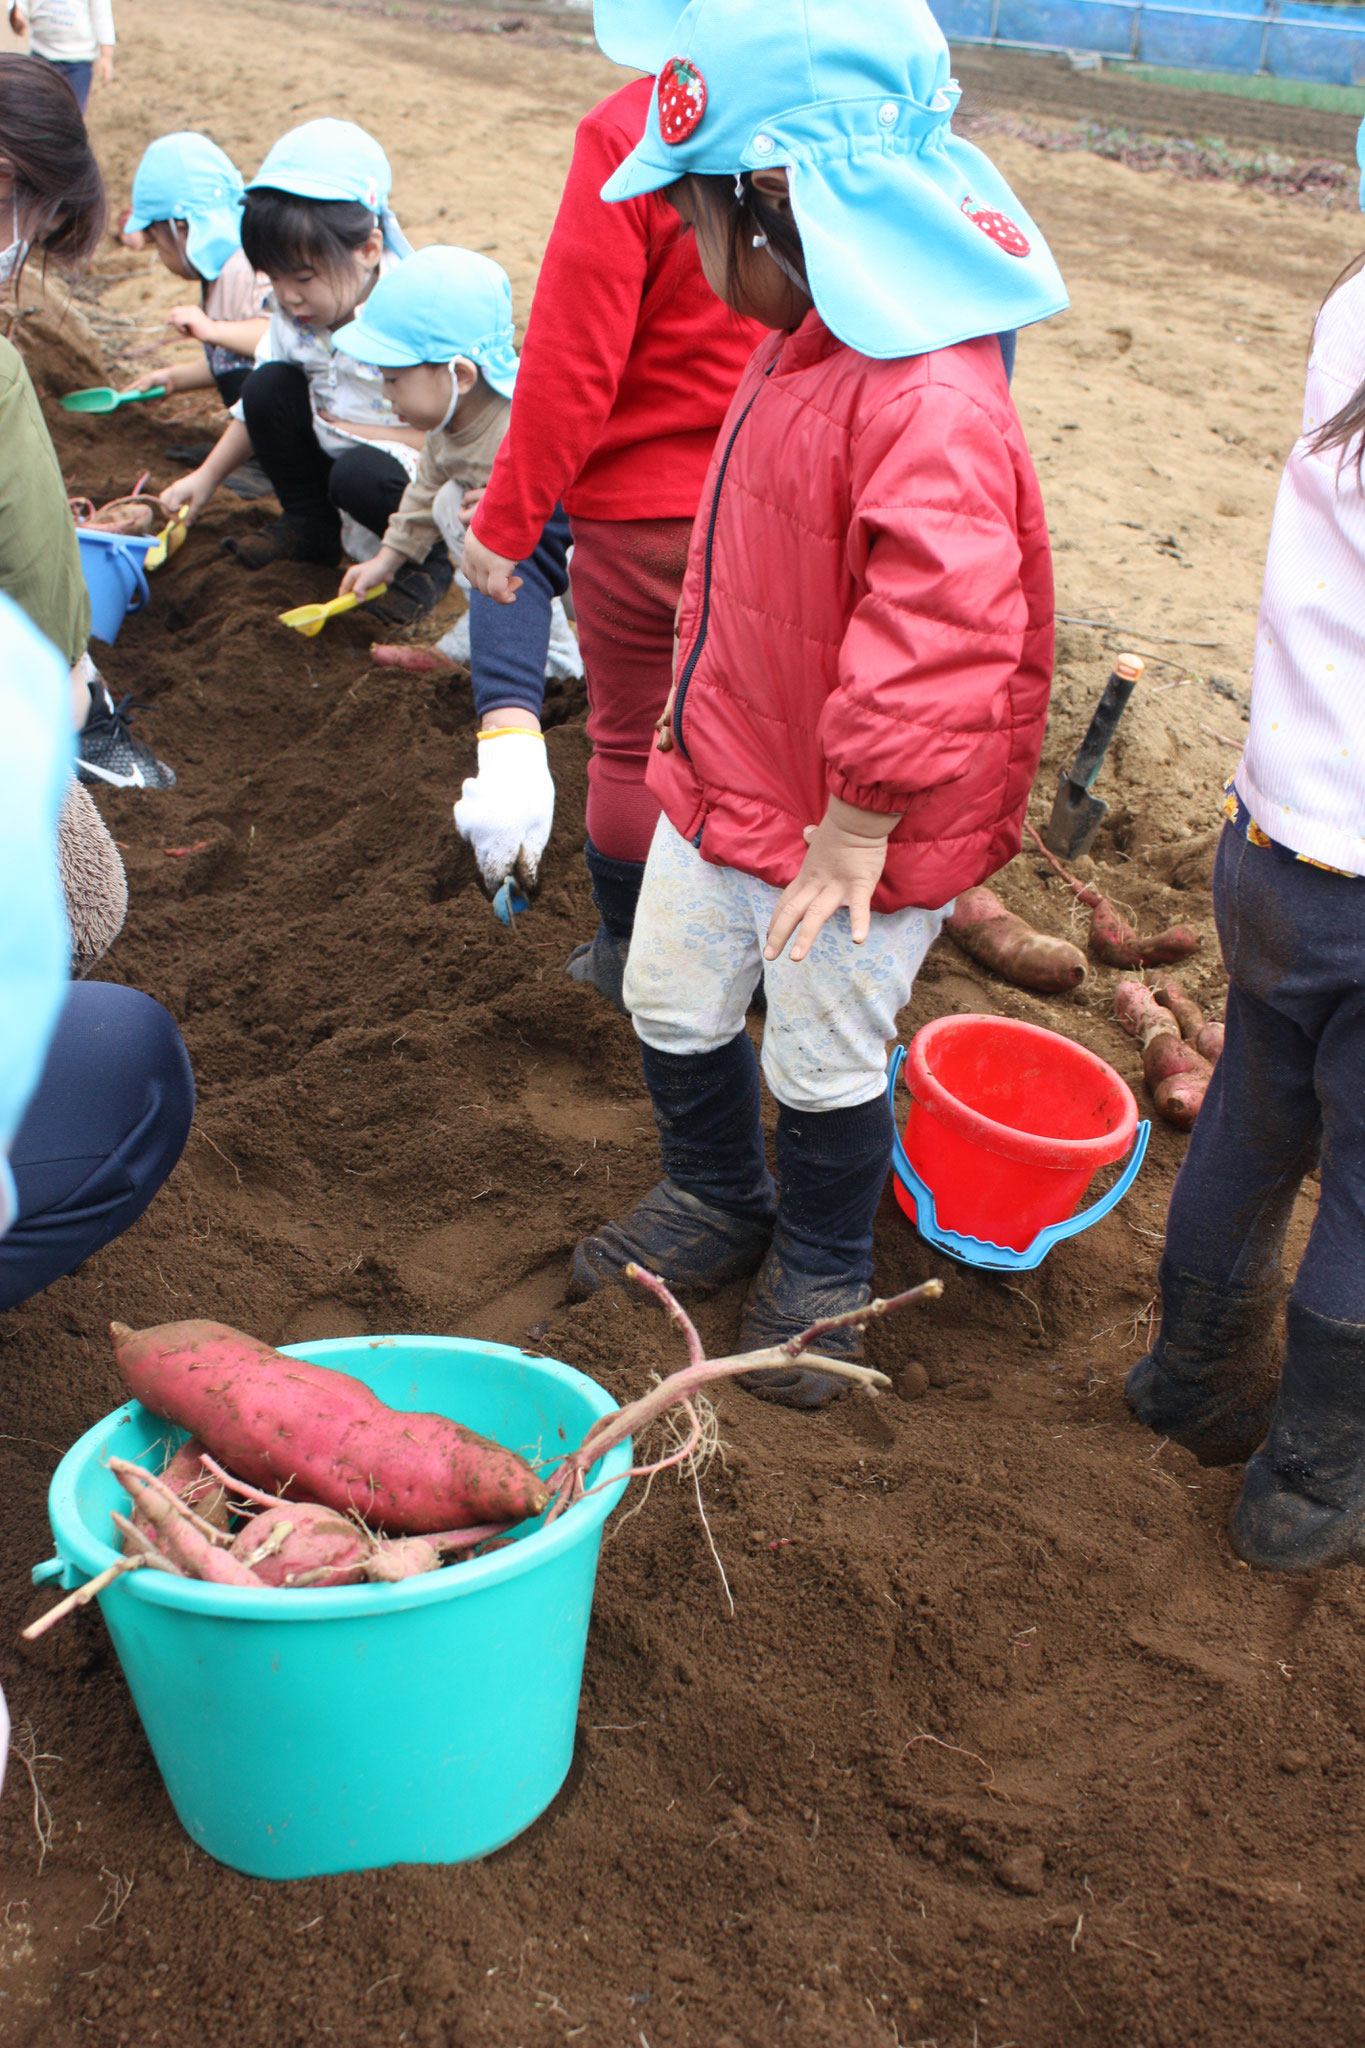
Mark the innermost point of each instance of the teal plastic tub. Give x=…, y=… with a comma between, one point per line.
x=344, y=1729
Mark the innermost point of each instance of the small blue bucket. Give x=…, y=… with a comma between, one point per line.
x=114, y=576
x=300, y=1733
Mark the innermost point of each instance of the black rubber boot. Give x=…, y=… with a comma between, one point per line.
x=831, y=1167
x=1209, y=1380
x=288, y=540
x=1302, y=1504
x=417, y=588
x=600, y=962
x=710, y=1219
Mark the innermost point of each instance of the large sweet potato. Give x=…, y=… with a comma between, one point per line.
x=321, y=1435
x=987, y=932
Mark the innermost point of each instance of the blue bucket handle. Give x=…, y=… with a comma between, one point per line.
x=57, y=1567
x=977, y=1251
x=132, y=560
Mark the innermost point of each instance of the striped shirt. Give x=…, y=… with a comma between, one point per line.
x=1302, y=774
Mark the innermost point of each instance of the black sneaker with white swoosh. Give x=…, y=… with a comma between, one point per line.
x=107, y=752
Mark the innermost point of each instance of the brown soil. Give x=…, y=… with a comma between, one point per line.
x=999, y=1745
x=1015, y=81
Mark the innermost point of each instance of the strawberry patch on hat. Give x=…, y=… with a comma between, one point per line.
x=682, y=100
x=1001, y=229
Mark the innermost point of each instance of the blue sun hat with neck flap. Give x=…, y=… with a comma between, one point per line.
x=187, y=177
x=328, y=159
x=912, y=239
x=440, y=304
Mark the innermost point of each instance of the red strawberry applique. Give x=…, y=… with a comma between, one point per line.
x=998, y=226
x=682, y=100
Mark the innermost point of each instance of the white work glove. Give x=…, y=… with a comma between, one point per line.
x=507, y=809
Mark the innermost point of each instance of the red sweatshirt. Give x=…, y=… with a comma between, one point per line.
x=630, y=359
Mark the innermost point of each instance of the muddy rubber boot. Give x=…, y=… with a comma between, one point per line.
x=1302, y=1504
x=831, y=1166
x=288, y=540
x=416, y=589
x=709, y=1220
x=1209, y=1380
x=600, y=962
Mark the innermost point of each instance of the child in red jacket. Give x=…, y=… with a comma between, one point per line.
x=629, y=364
x=865, y=637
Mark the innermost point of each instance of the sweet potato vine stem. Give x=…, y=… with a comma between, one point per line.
x=566, y=1481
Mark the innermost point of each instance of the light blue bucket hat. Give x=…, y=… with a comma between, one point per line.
x=328, y=159
x=439, y=304
x=912, y=239
x=187, y=177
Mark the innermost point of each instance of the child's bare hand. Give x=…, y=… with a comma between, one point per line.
x=193, y=491
x=103, y=73
x=363, y=576
x=663, y=724
x=845, y=855
x=191, y=320
x=471, y=501
x=490, y=573
x=152, y=380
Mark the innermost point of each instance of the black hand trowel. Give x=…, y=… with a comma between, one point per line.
x=1076, y=814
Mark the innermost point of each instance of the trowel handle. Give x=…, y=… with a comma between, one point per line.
x=1127, y=673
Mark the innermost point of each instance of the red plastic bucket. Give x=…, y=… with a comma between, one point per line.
x=1008, y=1125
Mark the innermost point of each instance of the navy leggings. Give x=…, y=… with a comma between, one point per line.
x=507, y=642
x=107, y=1122
x=1289, y=1089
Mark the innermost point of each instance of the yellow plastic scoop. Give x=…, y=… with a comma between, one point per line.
x=167, y=541
x=309, y=619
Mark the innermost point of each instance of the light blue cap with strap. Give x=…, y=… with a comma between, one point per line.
x=912, y=239
x=187, y=177
x=439, y=304
x=329, y=159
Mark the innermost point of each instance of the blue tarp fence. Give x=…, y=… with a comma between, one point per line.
x=1279, y=39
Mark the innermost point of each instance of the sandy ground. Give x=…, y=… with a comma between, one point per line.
x=1000, y=1746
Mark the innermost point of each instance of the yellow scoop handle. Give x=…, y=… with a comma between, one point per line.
x=309, y=619
x=167, y=541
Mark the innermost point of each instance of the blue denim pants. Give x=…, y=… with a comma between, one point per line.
x=1289, y=1090
x=107, y=1122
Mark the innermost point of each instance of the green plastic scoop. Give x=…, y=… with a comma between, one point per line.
x=101, y=398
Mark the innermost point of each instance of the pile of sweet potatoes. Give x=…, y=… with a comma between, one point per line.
x=330, y=1487
x=1179, y=1046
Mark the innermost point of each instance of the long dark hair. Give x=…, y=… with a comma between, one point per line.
x=282, y=232
x=1348, y=421
x=746, y=212
x=57, y=183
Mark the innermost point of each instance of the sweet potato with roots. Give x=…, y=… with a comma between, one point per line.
x=1195, y=1027
x=1177, y=1074
x=320, y=1435
x=1112, y=939
x=987, y=932
x=185, y=1475
x=294, y=1544
x=297, y=1543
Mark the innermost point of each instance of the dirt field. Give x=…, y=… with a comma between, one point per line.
x=1000, y=1744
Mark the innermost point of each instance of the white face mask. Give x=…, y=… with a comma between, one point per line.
x=454, y=396
x=12, y=258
